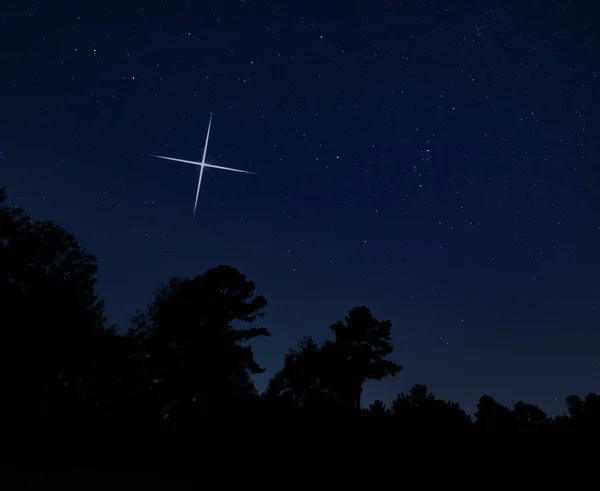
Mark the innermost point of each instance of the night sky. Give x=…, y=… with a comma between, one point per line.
x=436, y=163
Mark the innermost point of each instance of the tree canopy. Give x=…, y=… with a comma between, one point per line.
x=52, y=318
x=182, y=375
x=193, y=340
x=337, y=370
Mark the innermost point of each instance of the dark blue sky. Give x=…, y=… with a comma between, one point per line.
x=438, y=164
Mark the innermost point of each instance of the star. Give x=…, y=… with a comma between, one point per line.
x=202, y=165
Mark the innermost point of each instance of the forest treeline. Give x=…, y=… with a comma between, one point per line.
x=183, y=370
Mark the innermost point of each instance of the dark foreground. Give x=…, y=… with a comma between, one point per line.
x=290, y=457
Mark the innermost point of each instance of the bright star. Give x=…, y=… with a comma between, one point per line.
x=202, y=165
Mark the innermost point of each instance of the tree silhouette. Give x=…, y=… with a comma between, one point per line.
x=333, y=374
x=194, y=354
x=491, y=415
x=584, y=414
x=304, y=380
x=422, y=409
x=52, y=317
x=363, y=343
x=378, y=409
x=184, y=370
x=529, y=417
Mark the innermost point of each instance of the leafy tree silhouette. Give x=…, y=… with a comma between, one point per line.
x=378, y=407
x=195, y=358
x=529, y=417
x=363, y=343
x=378, y=410
x=333, y=374
x=301, y=381
x=583, y=414
x=185, y=367
x=52, y=317
x=491, y=415
x=422, y=409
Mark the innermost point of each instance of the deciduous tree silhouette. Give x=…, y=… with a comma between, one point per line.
x=334, y=373
x=363, y=343
x=529, y=417
x=378, y=409
x=491, y=415
x=300, y=381
x=422, y=409
x=583, y=414
x=310, y=378
x=52, y=317
x=194, y=351
x=186, y=364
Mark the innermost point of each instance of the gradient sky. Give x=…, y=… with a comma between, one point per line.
x=436, y=163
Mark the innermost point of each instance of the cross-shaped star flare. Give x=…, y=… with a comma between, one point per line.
x=202, y=165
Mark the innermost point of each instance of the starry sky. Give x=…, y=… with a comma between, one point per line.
x=437, y=163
